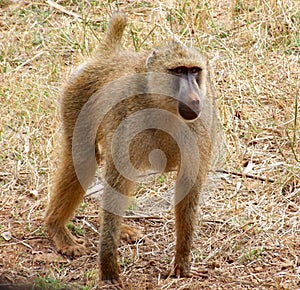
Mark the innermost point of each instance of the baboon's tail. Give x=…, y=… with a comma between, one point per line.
x=112, y=40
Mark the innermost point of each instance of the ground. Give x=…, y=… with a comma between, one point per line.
x=248, y=227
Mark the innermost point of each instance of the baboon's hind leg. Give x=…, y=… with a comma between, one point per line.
x=66, y=196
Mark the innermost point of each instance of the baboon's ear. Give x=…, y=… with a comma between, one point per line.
x=150, y=58
x=176, y=43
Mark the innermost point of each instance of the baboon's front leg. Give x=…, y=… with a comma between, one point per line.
x=185, y=215
x=109, y=241
x=114, y=202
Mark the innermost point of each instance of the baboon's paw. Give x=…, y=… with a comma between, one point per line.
x=115, y=284
x=74, y=250
x=79, y=241
x=180, y=273
x=130, y=234
x=67, y=244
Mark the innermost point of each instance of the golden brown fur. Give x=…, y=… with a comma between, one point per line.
x=111, y=63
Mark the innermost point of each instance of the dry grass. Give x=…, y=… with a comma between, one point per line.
x=249, y=230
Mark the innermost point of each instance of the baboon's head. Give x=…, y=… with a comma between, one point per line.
x=190, y=69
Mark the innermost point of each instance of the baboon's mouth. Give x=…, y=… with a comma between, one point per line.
x=187, y=113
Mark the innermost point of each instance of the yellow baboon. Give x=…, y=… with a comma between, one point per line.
x=167, y=99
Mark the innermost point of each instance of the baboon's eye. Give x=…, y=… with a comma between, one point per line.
x=195, y=70
x=179, y=70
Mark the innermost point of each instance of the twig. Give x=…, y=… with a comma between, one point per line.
x=233, y=29
x=16, y=243
x=90, y=226
x=144, y=40
x=27, y=61
x=213, y=221
x=62, y=9
x=247, y=175
x=142, y=217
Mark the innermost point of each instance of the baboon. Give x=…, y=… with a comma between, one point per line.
x=168, y=104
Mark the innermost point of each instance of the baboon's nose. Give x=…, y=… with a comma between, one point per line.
x=194, y=103
x=191, y=109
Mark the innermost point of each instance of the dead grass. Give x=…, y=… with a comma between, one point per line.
x=249, y=230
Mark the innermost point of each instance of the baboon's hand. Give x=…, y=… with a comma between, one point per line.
x=110, y=271
x=114, y=284
x=182, y=270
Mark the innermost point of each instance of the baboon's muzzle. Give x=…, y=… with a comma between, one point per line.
x=189, y=113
